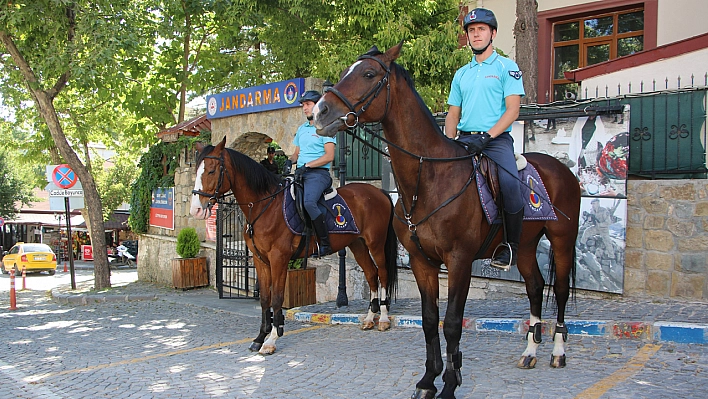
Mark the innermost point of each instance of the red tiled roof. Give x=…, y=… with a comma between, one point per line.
x=191, y=127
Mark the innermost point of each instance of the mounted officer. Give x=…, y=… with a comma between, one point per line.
x=314, y=155
x=485, y=98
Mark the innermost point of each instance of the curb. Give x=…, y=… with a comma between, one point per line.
x=84, y=299
x=684, y=333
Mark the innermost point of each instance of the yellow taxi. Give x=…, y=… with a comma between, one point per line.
x=34, y=257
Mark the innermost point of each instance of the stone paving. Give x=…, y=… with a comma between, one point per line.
x=165, y=343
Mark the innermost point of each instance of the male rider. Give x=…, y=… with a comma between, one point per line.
x=485, y=97
x=314, y=155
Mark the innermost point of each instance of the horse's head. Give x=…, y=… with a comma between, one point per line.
x=210, y=182
x=361, y=95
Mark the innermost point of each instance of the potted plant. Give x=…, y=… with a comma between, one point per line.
x=299, y=285
x=189, y=271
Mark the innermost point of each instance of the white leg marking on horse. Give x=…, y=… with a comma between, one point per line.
x=558, y=344
x=269, y=344
x=369, y=319
x=384, y=308
x=531, y=346
x=196, y=208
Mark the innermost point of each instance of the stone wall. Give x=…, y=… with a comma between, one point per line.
x=667, y=239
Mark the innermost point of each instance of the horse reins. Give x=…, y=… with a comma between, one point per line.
x=412, y=227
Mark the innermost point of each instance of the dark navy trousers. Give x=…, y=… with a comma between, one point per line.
x=501, y=150
x=315, y=182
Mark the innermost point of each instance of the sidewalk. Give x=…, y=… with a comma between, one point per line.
x=640, y=319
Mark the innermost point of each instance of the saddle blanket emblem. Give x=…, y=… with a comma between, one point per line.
x=535, y=197
x=338, y=216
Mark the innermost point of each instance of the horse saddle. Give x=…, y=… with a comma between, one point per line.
x=337, y=214
x=534, y=194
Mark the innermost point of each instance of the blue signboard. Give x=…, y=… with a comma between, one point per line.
x=266, y=97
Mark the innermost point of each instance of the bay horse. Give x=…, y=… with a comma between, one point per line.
x=440, y=221
x=260, y=195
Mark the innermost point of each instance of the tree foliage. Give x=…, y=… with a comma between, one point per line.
x=13, y=188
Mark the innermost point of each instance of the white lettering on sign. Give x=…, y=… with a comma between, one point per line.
x=66, y=193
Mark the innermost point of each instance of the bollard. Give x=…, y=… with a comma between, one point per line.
x=13, y=300
x=24, y=277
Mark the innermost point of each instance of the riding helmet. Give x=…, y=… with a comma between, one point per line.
x=480, y=15
x=310, y=95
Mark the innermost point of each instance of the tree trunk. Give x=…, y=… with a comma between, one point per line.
x=44, y=101
x=526, y=32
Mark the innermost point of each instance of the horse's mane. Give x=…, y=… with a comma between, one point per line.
x=258, y=178
x=401, y=72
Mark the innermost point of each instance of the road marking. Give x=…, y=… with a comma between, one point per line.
x=635, y=364
x=39, y=377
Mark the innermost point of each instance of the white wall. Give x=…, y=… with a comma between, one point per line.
x=694, y=63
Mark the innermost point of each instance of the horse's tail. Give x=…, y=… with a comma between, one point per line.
x=391, y=252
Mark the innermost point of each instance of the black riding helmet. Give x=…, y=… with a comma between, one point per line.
x=483, y=16
x=480, y=15
x=310, y=95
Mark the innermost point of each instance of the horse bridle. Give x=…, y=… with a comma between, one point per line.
x=222, y=170
x=371, y=95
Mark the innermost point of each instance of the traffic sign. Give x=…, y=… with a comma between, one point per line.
x=64, y=177
x=2, y=222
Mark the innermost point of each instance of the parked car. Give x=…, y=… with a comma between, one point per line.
x=34, y=257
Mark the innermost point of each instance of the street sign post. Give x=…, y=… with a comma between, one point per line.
x=63, y=182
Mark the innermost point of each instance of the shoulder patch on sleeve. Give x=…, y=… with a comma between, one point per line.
x=515, y=74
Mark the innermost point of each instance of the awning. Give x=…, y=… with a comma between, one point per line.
x=44, y=219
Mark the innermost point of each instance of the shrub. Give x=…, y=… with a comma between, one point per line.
x=188, y=243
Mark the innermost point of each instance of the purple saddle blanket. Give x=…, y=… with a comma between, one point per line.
x=535, y=197
x=338, y=216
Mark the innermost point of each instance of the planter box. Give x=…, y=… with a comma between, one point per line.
x=189, y=273
x=300, y=288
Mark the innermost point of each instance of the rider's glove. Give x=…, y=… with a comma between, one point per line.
x=300, y=171
x=478, y=142
x=288, y=165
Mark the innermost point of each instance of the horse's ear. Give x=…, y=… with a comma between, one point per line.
x=392, y=54
x=373, y=51
x=221, y=145
x=199, y=146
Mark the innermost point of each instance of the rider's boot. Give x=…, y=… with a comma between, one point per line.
x=508, y=253
x=320, y=226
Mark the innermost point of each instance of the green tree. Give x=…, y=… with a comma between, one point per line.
x=64, y=55
x=13, y=189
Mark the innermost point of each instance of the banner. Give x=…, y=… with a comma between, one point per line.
x=162, y=208
x=266, y=97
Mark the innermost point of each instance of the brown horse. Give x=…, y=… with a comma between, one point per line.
x=438, y=220
x=260, y=195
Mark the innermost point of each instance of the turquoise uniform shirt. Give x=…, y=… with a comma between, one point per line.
x=311, y=144
x=480, y=90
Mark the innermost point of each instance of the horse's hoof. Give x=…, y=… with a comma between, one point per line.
x=526, y=362
x=255, y=347
x=367, y=325
x=267, y=350
x=384, y=325
x=557, y=362
x=423, y=394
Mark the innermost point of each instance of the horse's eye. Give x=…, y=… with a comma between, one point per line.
x=369, y=75
x=211, y=172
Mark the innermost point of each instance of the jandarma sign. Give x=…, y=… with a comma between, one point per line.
x=266, y=97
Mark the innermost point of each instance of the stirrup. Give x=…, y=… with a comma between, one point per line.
x=500, y=265
x=319, y=253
